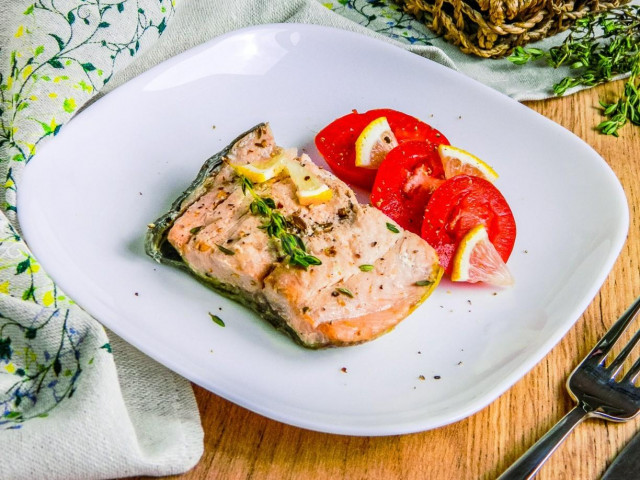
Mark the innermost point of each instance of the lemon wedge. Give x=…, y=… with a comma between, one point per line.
x=477, y=260
x=309, y=188
x=373, y=144
x=263, y=170
x=457, y=161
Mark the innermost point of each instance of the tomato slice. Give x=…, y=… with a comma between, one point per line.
x=336, y=142
x=458, y=205
x=406, y=178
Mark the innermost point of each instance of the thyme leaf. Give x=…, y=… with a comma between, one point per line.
x=391, y=227
x=277, y=226
x=345, y=291
x=225, y=250
x=599, y=47
x=216, y=319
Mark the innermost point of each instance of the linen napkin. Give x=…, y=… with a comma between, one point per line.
x=75, y=400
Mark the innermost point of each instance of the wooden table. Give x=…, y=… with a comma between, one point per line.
x=241, y=445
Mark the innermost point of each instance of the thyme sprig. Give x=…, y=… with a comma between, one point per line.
x=599, y=47
x=277, y=226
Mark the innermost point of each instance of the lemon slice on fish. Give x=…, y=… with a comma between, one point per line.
x=309, y=188
x=263, y=170
x=373, y=144
x=457, y=161
x=477, y=260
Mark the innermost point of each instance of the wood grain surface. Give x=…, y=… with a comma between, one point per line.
x=242, y=445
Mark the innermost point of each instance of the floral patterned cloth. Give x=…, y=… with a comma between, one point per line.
x=45, y=75
x=76, y=401
x=59, y=369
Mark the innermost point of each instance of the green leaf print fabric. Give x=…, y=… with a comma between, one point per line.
x=65, y=382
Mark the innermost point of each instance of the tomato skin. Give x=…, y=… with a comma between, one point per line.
x=461, y=203
x=406, y=179
x=406, y=128
x=336, y=141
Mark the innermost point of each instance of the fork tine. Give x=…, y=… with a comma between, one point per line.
x=596, y=392
x=616, y=365
x=603, y=347
x=633, y=372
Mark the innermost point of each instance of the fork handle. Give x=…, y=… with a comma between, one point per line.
x=528, y=464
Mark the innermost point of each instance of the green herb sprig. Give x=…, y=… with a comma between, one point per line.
x=599, y=47
x=277, y=226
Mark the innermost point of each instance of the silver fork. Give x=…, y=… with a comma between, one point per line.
x=594, y=386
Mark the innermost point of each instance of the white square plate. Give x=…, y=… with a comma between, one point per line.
x=122, y=161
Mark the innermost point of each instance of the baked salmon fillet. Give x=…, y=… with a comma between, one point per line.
x=365, y=273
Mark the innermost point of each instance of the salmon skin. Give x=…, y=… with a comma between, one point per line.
x=371, y=273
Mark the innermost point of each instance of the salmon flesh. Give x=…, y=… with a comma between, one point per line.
x=371, y=273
